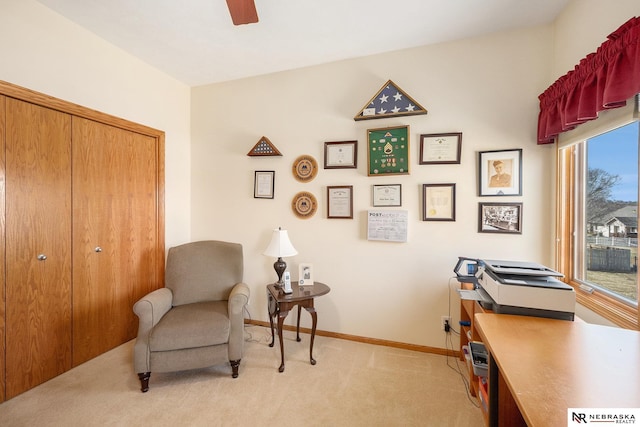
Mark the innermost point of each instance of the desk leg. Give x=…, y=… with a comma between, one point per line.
x=281, y=316
x=272, y=308
x=298, y=326
x=314, y=317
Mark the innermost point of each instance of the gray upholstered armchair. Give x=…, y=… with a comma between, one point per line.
x=197, y=319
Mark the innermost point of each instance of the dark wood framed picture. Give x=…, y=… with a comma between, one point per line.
x=341, y=155
x=438, y=202
x=263, y=184
x=340, y=201
x=440, y=148
x=500, y=173
x=503, y=218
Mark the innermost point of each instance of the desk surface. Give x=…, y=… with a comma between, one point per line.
x=552, y=365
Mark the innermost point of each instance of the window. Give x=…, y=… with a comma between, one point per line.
x=597, y=216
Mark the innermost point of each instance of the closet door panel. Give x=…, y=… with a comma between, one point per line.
x=38, y=245
x=2, y=252
x=115, y=233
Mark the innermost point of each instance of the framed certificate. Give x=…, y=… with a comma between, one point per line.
x=438, y=202
x=387, y=195
x=340, y=201
x=263, y=184
x=341, y=155
x=440, y=148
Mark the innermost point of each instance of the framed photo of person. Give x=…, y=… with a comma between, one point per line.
x=500, y=173
x=305, y=274
x=505, y=218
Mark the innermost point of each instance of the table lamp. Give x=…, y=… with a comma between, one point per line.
x=280, y=246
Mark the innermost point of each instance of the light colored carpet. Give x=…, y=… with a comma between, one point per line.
x=353, y=384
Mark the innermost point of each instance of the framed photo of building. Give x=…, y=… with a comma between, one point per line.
x=505, y=218
x=500, y=173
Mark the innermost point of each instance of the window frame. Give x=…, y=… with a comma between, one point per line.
x=569, y=200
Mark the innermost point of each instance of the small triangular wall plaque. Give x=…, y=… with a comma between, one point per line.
x=390, y=101
x=264, y=147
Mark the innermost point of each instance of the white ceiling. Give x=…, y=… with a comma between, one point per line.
x=195, y=41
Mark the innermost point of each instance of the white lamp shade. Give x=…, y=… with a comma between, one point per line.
x=280, y=245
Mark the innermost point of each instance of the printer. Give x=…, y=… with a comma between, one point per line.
x=525, y=288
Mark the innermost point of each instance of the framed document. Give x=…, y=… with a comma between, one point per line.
x=440, y=148
x=387, y=225
x=439, y=202
x=263, y=184
x=387, y=195
x=340, y=201
x=341, y=155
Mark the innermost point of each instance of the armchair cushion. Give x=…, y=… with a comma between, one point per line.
x=199, y=324
x=203, y=271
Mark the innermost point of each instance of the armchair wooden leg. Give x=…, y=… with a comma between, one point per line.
x=144, y=381
x=235, y=364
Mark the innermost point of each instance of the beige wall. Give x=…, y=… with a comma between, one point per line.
x=45, y=52
x=486, y=88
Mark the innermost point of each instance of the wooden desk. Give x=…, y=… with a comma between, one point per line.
x=279, y=305
x=541, y=367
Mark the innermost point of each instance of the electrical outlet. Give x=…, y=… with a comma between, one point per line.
x=445, y=322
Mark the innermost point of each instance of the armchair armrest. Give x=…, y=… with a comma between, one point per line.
x=149, y=310
x=238, y=299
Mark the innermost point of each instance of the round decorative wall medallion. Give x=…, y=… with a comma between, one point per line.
x=305, y=168
x=304, y=205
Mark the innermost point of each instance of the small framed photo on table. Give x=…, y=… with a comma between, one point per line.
x=305, y=274
x=341, y=155
x=440, y=148
x=263, y=184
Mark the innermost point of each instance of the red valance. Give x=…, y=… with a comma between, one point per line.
x=602, y=80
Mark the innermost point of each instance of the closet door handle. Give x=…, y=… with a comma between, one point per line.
x=98, y=249
x=42, y=257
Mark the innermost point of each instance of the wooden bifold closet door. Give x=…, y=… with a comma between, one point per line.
x=115, y=233
x=81, y=233
x=38, y=245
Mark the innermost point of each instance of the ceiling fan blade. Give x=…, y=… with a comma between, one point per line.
x=242, y=11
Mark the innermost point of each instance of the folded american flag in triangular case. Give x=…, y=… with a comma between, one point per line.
x=390, y=101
